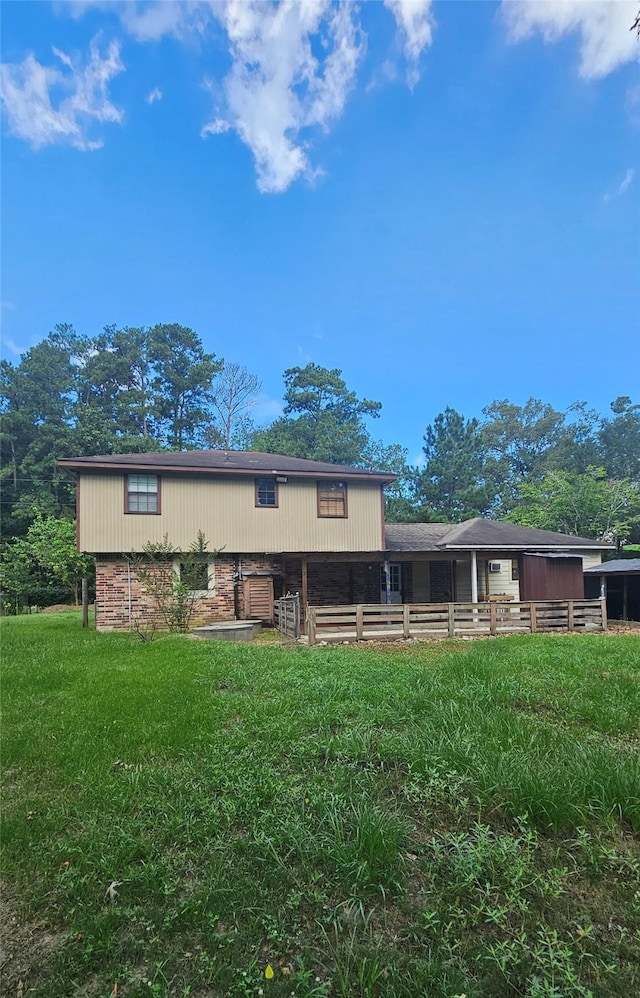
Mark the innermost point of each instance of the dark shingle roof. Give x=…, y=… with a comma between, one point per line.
x=477, y=534
x=229, y=461
x=621, y=566
x=415, y=536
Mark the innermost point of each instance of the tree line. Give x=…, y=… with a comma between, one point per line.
x=145, y=389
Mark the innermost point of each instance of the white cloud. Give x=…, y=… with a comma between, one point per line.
x=150, y=22
x=622, y=187
x=628, y=180
x=605, y=39
x=267, y=409
x=277, y=87
x=415, y=22
x=154, y=95
x=146, y=22
x=293, y=65
x=27, y=90
x=13, y=346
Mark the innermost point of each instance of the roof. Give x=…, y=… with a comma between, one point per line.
x=225, y=462
x=415, y=536
x=621, y=566
x=479, y=534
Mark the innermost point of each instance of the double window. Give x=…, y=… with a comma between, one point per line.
x=266, y=492
x=142, y=494
x=332, y=499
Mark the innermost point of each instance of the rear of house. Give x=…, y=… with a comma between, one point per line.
x=277, y=525
x=263, y=517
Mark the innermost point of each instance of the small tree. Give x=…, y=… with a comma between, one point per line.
x=52, y=543
x=176, y=594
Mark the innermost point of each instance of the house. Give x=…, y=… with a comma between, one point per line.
x=278, y=524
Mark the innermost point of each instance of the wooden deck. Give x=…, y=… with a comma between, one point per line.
x=391, y=622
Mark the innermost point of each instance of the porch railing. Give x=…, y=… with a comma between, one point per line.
x=382, y=622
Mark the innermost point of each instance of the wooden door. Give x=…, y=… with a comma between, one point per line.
x=258, y=598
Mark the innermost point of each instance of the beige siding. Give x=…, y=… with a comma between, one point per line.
x=462, y=578
x=589, y=558
x=501, y=583
x=224, y=509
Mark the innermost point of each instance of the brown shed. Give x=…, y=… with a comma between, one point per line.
x=551, y=576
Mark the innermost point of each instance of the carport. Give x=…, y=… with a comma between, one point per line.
x=619, y=582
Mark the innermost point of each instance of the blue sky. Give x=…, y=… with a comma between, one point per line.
x=441, y=199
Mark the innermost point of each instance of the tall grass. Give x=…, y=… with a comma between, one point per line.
x=438, y=820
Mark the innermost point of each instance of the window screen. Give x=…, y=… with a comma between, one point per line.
x=332, y=499
x=142, y=493
x=266, y=492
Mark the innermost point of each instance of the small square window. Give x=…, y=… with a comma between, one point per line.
x=143, y=494
x=266, y=492
x=196, y=575
x=332, y=499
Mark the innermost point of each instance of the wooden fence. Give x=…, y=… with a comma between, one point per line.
x=387, y=622
x=286, y=616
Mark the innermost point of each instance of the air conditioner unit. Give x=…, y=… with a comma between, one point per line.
x=495, y=566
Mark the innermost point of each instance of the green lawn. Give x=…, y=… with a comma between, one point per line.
x=437, y=820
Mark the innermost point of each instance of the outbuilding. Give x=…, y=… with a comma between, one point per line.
x=619, y=582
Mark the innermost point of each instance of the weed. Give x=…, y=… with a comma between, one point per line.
x=440, y=821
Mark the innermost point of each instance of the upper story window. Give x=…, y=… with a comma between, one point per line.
x=142, y=494
x=266, y=492
x=332, y=499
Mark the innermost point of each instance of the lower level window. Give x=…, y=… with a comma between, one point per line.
x=197, y=575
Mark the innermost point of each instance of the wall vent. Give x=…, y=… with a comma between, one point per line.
x=495, y=566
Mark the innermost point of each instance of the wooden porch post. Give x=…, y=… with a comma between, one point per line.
x=305, y=597
x=625, y=597
x=85, y=602
x=387, y=580
x=474, y=577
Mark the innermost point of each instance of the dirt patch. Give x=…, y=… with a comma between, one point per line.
x=27, y=947
x=59, y=608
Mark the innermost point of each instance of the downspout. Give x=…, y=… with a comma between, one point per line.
x=236, y=583
x=129, y=591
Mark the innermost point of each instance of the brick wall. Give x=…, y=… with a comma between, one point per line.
x=121, y=602
x=335, y=584
x=260, y=563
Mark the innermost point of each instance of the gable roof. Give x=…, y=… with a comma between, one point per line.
x=479, y=534
x=415, y=536
x=224, y=462
x=621, y=566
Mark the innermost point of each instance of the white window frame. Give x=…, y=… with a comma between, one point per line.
x=211, y=576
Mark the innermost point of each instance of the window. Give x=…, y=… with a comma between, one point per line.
x=143, y=494
x=515, y=571
x=395, y=583
x=266, y=492
x=197, y=575
x=332, y=499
